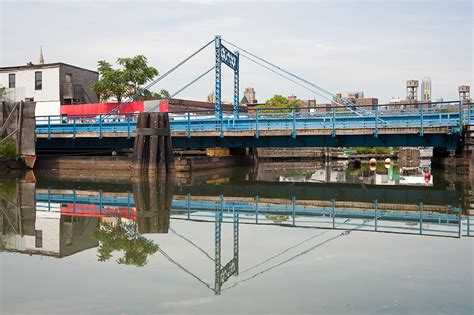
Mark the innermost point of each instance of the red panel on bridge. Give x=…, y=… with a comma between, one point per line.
x=101, y=108
x=164, y=106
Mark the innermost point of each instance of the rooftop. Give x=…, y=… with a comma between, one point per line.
x=41, y=66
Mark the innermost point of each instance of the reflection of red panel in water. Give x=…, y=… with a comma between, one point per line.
x=94, y=211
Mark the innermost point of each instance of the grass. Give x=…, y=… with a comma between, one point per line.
x=7, y=149
x=7, y=189
x=376, y=150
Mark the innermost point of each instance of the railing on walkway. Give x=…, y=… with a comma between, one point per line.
x=374, y=117
x=292, y=212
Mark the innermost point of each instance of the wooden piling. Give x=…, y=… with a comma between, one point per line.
x=153, y=149
x=161, y=143
x=153, y=143
x=169, y=156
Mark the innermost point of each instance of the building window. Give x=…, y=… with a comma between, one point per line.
x=38, y=80
x=11, y=81
x=38, y=238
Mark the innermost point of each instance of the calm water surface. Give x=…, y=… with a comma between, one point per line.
x=307, y=239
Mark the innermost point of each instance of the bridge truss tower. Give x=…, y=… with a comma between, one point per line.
x=231, y=59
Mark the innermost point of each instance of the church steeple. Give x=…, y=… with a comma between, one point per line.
x=41, y=59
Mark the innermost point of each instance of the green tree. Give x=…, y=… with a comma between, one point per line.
x=150, y=95
x=279, y=101
x=124, y=82
x=123, y=237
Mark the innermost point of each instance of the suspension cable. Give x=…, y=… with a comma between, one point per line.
x=290, y=248
x=168, y=257
x=183, y=88
x=305, y=87
x=293, y=80
x=115, y=110
x=344, y=233
x=286, y=77
x=293, y=75
x=192, y=243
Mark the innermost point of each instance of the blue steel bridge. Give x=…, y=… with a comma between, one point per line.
x=385, y=125
x=341, y=124
x=419, y=218
x=332, y=218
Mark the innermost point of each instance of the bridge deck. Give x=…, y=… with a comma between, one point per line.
x=262, y=133
x=433, y=126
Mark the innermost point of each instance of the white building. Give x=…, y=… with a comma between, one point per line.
x=49, y=85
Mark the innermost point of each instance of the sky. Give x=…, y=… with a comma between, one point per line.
x=342, y=46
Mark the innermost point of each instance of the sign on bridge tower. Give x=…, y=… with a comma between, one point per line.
x=231, y=59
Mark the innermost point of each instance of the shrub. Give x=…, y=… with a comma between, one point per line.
x=7, y=149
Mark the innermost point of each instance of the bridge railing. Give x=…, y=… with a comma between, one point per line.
x=419, y=115
x=292, y=212
x=74, y=124
x=292, y=120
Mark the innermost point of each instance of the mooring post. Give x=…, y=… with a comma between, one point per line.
x=138, y=148
x=154, y=124
x=161, y=145
x=169, y=156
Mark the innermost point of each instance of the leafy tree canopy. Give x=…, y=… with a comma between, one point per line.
x=123, y=82
x=150, y=95
x=279, y=101
x=124, y=237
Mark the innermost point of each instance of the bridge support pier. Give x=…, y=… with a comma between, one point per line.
x=152, y=150
x=461, y=161
x=153, y=203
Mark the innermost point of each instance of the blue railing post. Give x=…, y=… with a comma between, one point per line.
x=188, y=205
x=420, y=206
x=49, y=198
x=128, y=200
x=189, y=124
x=376, y=205
x=100, y=201
x=100, y=126
x=128, y=126
x=74, y=127
x=256, y=209
x=333, y=121
x=469, y=112
x=421, y=120
x=257, y=134
x=293, y=209
x=460, y=224
x=293, y=131
x=221, y=117
x=49, y=127
x=74, y=200
x=333, y=213
x=376, y=130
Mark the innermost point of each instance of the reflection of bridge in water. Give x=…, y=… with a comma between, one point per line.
x=75, y=210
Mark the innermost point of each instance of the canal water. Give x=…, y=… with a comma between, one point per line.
x=275, y=238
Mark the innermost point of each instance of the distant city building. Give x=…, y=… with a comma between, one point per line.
x=211, y=97
x=464, y=93
x=50, y=85
x=426, y=89
x=249, y=96
x=292, y=98
x=356, y=98
x=412, y=90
